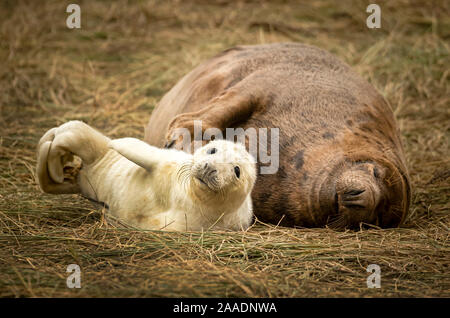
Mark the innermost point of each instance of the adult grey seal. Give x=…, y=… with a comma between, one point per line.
x=341, y=158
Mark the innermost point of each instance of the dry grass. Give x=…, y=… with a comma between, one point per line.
x=112, y=72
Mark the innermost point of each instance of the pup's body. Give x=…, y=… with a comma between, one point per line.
x=148, y=187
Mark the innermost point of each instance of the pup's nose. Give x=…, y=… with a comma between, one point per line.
x=208, y=170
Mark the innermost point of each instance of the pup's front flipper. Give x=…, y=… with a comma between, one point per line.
x=57, y=168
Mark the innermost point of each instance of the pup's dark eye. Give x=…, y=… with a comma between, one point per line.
x=237, y=171
x=211, y=151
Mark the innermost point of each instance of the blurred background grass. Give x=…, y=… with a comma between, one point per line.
x=112, y=72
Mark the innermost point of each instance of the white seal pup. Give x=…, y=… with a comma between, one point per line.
x=149, y=187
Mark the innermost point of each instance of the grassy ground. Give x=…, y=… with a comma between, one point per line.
x=112, y=72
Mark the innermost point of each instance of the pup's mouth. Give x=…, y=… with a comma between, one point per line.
x=210, y=184
x=208, y=177
x=201, y=180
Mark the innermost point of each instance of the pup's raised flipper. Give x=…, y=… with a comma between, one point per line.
x=57, y=148
x=44, y=180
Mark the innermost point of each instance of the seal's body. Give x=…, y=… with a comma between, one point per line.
x=341, y=159
x=148, y=187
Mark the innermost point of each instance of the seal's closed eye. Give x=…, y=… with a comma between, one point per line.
x=211, y=151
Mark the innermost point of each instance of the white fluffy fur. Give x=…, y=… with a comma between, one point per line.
x=149, y=187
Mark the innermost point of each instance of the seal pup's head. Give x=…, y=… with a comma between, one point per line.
x=222, y=172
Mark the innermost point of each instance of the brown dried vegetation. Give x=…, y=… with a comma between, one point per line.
x=112, y=72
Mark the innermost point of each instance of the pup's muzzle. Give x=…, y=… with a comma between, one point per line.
x=207, y=175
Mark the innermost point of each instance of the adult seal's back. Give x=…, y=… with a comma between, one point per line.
x=341, y=159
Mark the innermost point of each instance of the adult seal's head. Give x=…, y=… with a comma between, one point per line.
x=220, y=173
x=355, y=185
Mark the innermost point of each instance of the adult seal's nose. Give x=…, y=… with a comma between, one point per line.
x=358, y=195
